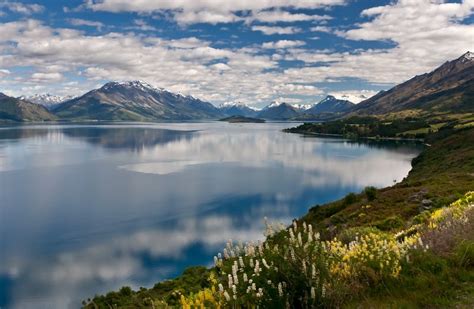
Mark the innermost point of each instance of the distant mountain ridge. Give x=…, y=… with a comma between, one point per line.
x=450, y=87
x=330, y=105
x=135, y=101
x=47, y=100
x=237, y=109
x=17, y=110
x=278, y=111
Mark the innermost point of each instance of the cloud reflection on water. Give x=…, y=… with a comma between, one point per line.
x=93, y=208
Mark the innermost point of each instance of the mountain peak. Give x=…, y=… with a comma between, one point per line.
x=469, y=56
x=137, y=84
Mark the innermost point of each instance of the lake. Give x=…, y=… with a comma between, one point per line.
x=85, y=209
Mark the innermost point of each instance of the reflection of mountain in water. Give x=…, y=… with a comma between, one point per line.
x=135, y=139
x=127, y=138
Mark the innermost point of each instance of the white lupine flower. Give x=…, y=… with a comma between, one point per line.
x=304, y=226
x=245, y=277
x=300, y=240
x=317, y=236
x=264, y=262
x=226, y=253
x=313, y=271
x=254, y=286
x=241, y=262
x=313, y=293
x=234, y=289
x=292, y=252
x=229, y=278
x=221, y=288
x=304, y=266
x=250, y=281
x=280, y=289
x=236, y=279
x=257, y=267
x=216, y=261
x=227, y=296
x=219, y=255
x=323, y=291
x=260, y=290
x=295, y=226
x=310, y=229
x=292, y=235
x=251, y=263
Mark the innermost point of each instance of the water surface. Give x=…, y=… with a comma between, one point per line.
x=89, y=208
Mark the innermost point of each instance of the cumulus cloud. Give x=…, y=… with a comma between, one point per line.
x=277, y=16
x=213, y=11
x=269, y=30
x=21, y=8
x=4, y=72
x=281, y=44
x=84, y=22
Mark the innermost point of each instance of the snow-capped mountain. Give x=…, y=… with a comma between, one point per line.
x=238, y=109
x=278, y=111
x=47, y=100
x=136, y=100
x=330, y=105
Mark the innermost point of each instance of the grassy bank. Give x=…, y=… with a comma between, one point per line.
x=420, y=248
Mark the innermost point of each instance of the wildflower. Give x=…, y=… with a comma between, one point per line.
x=313, y=271
x=280, y=289
x=221, y=288
x=251, y=263
x=245, y=277
x=254, y=286
x=234, y=289
x=241, y=262
x=313, y=293
x=227, y=296
x=229, y=277
x=264, y=262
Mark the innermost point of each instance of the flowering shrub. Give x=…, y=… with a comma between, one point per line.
x=456, y=211
x=295, y=268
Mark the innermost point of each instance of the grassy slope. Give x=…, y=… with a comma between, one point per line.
x=442, y=173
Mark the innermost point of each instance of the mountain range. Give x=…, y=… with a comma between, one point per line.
x=449, y=88
x=47, y=100
x=135, y=101
x=14, y=110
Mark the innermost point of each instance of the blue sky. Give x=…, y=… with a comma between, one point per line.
x=249, y=51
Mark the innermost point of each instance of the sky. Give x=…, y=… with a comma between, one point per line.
x=225, y=51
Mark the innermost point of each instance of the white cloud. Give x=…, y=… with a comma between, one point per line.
x=4, y=72
x=41, y=77
x=321, y=29
x=276, y=16
x=21, y=8
x=282, y=44
x=211, y=11
x=84, y=22
x=269, y=30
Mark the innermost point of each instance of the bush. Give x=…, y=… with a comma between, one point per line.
x=390, y=223
x=350, y=199
x=370, y=193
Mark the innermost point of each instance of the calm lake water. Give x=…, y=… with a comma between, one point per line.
x=86, y=209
